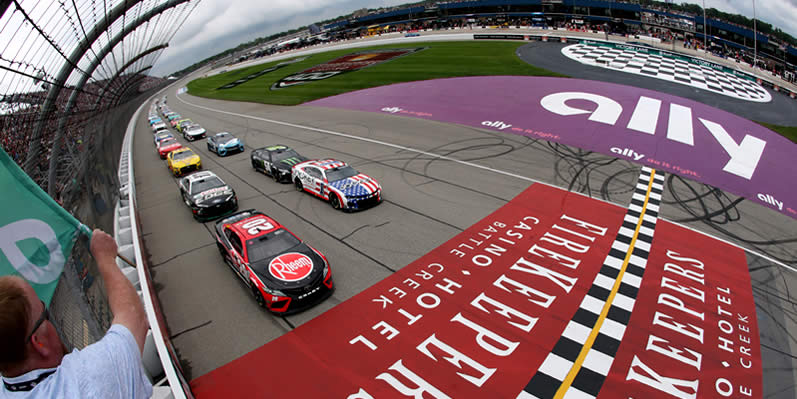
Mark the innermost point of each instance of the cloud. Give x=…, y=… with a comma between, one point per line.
x=215, y=26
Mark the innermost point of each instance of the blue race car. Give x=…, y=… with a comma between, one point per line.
x=224, y=143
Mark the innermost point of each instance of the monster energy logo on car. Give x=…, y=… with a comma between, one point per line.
x=291, y=161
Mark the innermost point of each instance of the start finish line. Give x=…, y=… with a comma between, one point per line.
x=482, y=313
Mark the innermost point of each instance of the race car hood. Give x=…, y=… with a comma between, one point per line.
x=286, y=164
x=186, y=161
x=356, y=185
x=290, y=269
x=234, y=142
x=169, y=148
x=194, y=131
x=213, y=195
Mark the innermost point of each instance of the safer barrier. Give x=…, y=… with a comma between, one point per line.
x=159, y=355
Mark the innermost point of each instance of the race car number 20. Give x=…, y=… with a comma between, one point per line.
x=257, y=225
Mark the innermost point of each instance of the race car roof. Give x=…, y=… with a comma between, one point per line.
x=326, y=163
x=255, y=226
x=200, y=175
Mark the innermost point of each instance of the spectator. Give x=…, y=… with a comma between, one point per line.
x=33, y=362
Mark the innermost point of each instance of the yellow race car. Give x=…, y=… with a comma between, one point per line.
x=182, y=161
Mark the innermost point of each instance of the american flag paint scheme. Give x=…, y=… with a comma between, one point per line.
x=334, y=181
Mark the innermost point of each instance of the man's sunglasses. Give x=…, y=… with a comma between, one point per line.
x=44, y=316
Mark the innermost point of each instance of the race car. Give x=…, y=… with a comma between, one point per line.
x=331, y=180
x=160, y=136
x=193, y=132
x=276, y=161
x=167, y=146
x=284, y=274
x=159, y=125
x=182, y=123
x=182, y=161
x=207, y=195
x=224, y=143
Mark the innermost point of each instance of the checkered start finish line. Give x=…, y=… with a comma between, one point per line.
x=670, y=69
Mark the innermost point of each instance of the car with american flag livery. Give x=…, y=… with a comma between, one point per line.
x=283, y=273
x=338, y=183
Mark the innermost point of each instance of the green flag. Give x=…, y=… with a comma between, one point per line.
x=36, y=234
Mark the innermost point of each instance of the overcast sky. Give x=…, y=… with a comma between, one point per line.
x=215, y=25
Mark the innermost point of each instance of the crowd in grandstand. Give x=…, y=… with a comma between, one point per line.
x=23, y=115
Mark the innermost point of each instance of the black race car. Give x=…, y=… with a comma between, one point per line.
x=276, y=161
x=284, y=274
x=207, y=195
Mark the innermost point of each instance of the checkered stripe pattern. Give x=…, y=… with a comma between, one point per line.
x=589, y=378
x=674, y=70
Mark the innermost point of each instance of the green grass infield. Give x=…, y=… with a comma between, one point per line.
x=436, y=60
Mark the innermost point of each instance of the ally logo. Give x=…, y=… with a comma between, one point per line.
x=50, y=254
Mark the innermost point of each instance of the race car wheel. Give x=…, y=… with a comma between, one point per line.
x=275, y=175
x=298, y=184
x=222, y=153
x=259, y=297
x=334, y=201
x=209, y=147
x=222, y=252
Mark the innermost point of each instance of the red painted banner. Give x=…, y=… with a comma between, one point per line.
x=693, y=332
x=477, y=316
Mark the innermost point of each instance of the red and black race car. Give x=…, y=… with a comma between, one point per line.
x=284, y=274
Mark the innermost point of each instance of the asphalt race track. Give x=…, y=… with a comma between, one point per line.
x=213, y=319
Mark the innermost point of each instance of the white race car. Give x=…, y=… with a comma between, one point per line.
x=334, y=181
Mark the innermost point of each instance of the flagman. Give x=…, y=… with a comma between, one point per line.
x=36, y=239
x=33, y=362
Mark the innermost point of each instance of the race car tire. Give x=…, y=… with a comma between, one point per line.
x=210, y=148
x=298, y=184
x=259, y=297
x=222, y=251
x=334, y=201
x=275, y=175
x=222, y=153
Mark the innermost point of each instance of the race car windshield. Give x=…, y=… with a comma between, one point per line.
x=183, y=155
x=341, y=173
x=285, y=155
x=223, y=138
x=270, y=244
x=168, y=142
x=205, y=184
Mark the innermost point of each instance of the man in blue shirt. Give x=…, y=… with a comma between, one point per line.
x=33, y=362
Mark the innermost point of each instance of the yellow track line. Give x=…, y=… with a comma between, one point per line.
x=568, y=381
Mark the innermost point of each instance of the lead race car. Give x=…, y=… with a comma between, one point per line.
x=343, y=186
x=207, y=195
x=276, y=161
x=284, y=274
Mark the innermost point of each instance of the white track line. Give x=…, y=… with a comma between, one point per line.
x=466, y=163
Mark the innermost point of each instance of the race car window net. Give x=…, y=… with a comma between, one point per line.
x=270, y=244
x=341, y=173
x=205, y=184
x=235, y=242
x=314, y=172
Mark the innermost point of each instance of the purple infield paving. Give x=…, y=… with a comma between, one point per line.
x=665, y=132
